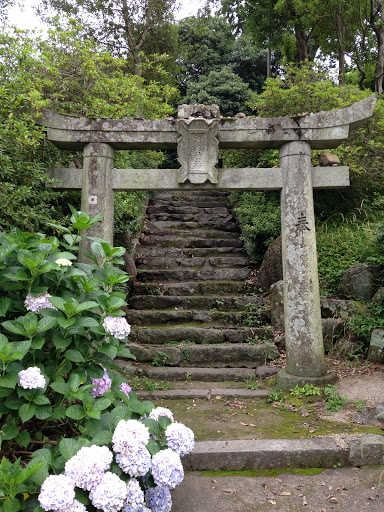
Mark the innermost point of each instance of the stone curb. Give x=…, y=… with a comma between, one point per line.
x=179, y=394
x=324, y=452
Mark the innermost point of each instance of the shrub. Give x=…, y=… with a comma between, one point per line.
x=62, y=407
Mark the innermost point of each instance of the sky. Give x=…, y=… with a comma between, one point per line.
x=26, y=18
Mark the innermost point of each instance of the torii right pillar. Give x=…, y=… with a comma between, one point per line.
x=302, y=313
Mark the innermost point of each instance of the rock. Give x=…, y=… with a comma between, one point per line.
x=379, y=295
x=338, y=308
x=332, y=327
x=344, y=347
x=271, y=269
x=360, y=281
x=198, y=110
x=379, y=413
x=277, y=305
x=326, y=158
x=376, y=347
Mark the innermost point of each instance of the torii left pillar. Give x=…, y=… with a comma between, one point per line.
x=97, y=192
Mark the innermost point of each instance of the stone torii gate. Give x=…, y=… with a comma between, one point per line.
x=198, y=133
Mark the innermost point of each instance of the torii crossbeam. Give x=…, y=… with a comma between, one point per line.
x=198, y=133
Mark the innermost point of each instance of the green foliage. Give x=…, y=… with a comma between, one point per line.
x=303, y=90
x=306, y=390
x=223, y=88
x=160, y=359
x=259, y=215
x=334, y=401
x=275, y=396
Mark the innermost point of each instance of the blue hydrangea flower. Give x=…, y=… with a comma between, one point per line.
x=161, y=411
x=101, y=386
x=180, y=438
x=167, y=470
x=158, y=499
x=129, y=436
x=31, y=378
x=125, y=388
x=88, y=466
x=117, y=326
x=36, y=302
x=110, y=494
x=135, y=496
x=135, y=463
x=57, y=493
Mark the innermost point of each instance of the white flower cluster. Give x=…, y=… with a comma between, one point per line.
x=31, y=378
x=135, y=496
x=57, y=493
x=63, y=262
x=158, y=499
x=117, y=326
x=37, y=302
x=180, y=438
x=167, y=470
x=89, y=470
x=110, y=494
x=161, y=411
x=88, y=466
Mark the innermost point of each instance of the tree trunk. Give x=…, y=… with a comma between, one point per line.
x=378, y=28
x=301, y=45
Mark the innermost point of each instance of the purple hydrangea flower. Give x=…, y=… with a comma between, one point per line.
x=57, y=493
x=31, y=378
x=158, y=499
x=161, y=411
x=117, y=326
x=110, y=494
x=125, y=388
x=135, y=496
x=180, y=438
x=36, y=302
x=88, y=466
x=101, y=386
x=129, y=437
x=135, y=463
x=167, y=470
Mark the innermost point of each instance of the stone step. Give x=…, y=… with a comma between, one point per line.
x=224, y=319
x=167, y=209
x=224, y=303
x=198, y=334
x=176, y=226
x=234, y=261
x=233, y=274
x=184, y=195
x=214, y=202
x=189, y=252
x=190, y=242
x=217, y=288
x=243, y=355
x=193, y=214
x=184, y=229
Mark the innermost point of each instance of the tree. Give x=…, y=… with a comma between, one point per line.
x=122, y=26
x=224, y=88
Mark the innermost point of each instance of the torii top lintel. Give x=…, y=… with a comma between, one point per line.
x=323, y=130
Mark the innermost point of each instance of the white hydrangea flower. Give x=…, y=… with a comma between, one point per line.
x=117, y=326
x=180, y=438
x=167, y=470
x=63, y=262
x=37, y=302
x=75, y=507
x=129, y=436
x=161, y=411
x=135, y=496
x=57, y=493
x=135, y=463
x=158, y=499
x=88, y=466
x=31, y=378
x=110, y=494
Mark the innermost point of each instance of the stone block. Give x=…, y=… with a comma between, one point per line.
x=366, y=450
x=376, y=347
x=271, y=270
x=332, y=327
x=360, y=281
x=339, y=308
x=276, y=300
x=345, y=347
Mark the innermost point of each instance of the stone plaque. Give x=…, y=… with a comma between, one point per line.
x=198, y=150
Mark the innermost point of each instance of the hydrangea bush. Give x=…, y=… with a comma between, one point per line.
x=78, y=435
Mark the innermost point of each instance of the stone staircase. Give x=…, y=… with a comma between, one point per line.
x=192, y=307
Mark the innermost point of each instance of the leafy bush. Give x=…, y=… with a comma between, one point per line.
x=62, y=327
